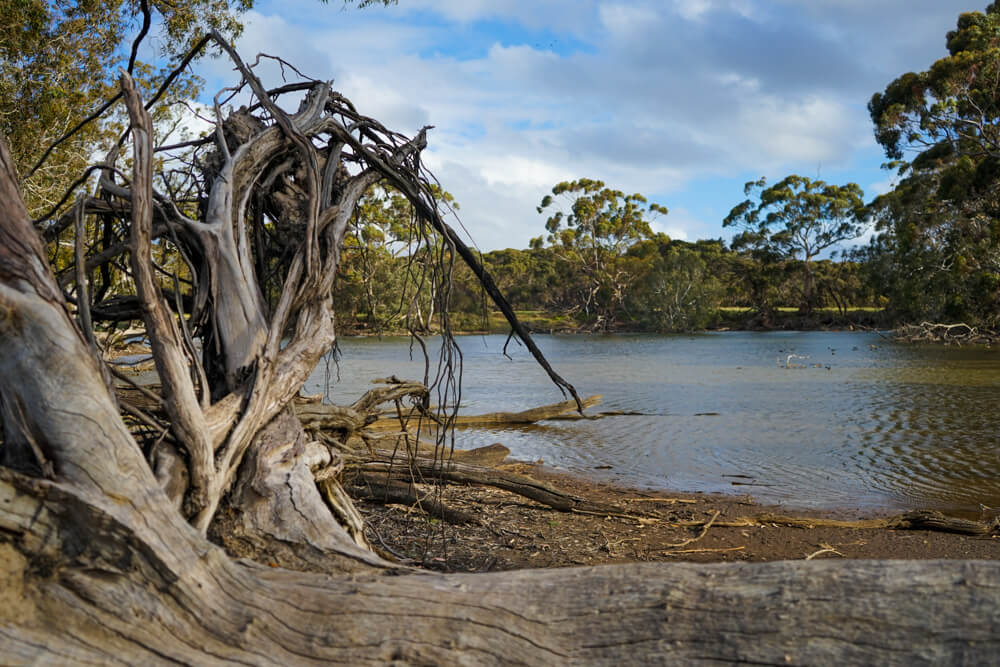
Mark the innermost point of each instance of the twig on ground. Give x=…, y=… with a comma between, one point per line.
x=669, y=501
x=400, y=557
x=826, y=549
x=704, y=531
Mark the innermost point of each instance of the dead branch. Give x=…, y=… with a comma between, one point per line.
x=703, y=533
x=914, y=520
x=958, y=334
x=531, y=416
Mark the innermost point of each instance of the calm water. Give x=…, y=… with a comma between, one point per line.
x=848, y=420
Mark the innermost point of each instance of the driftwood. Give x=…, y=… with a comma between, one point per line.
x=397, y=466
x=198, y=607
x=958, y=333
x=376, y=488
x=915, y=520
x=532, y=416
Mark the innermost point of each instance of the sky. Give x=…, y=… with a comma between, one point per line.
x=683, y=101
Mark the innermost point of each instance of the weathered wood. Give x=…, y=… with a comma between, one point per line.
x=90, y=605
x=378, y=489
x=318, y=417
x=530, y=416
x=187, y=420
x=278, y=506
x=399, y=466
x=394, y=390
x=914, y=520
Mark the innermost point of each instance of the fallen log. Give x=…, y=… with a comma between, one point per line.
x=376, y=488
x=915, y=520
x=420, y=469
x=532, y=416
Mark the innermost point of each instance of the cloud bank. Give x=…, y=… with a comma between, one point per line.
x=681, y=100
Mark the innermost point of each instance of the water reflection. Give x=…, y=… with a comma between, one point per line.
x=812, y=419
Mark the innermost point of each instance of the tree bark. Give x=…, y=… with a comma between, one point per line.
x=95, y=591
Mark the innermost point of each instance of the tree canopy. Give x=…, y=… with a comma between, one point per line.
x=591, y=226
x=60, y=61
x=798, y=218
x=937, y=253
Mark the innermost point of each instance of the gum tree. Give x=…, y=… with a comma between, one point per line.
x=941, y=130
x=591, y=226
x=797, y=218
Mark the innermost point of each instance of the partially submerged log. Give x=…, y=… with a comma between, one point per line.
x=532, y=416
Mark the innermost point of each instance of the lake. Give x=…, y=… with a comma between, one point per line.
x=808, y=419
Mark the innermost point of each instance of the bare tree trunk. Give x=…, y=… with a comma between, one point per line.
x=109, y=595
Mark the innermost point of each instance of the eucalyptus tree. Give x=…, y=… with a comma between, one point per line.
x=941, y=130
x=591, y=226
x=797, y=218
x=388, y=265
x=59, y=61
x=675, y=288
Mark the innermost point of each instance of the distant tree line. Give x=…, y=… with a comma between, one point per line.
x=934, y=254
x=597, y=263
x=600, y=268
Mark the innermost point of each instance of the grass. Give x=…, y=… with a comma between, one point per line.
x=793, y=309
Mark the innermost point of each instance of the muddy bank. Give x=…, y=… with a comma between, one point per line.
x=511, y=532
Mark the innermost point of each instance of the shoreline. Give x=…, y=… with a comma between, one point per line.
x=511, y=532
x=737, y=320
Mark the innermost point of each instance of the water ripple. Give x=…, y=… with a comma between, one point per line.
x=849, y=421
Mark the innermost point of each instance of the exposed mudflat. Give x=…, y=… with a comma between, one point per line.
x=511, y=532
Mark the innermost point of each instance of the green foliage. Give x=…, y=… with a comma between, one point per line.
x=676, y=287
x=937, y=252
x=591, y=235
x=390, y=272
x=59, y=61
x=797, y=218
x=954, y=105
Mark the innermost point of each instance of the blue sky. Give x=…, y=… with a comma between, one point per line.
x=681, y=100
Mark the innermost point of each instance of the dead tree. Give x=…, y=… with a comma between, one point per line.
x=103, y=556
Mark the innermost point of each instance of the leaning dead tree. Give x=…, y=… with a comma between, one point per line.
x=255, y=226
x=103, y=554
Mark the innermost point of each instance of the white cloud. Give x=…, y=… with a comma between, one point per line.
x=653, y=96
x=625, y=20
x=813, y=130
x=882, y=187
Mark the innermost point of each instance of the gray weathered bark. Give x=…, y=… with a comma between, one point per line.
x=108, y=595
